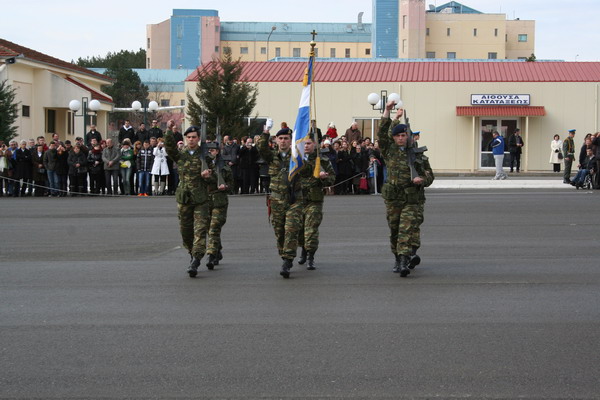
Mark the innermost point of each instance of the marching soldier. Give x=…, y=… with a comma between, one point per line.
x=191, y=194
x=404, y=191
x=312, y=199
x=218, y=203
x=285, y=209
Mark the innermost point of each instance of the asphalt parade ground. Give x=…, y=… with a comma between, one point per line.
x=95, y=302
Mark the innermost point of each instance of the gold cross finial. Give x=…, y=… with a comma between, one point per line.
x=314, y=33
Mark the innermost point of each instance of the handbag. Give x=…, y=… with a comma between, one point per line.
x=560, y=155
x=363, y=184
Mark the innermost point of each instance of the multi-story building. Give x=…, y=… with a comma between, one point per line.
x=406, y=29
x=400, y=29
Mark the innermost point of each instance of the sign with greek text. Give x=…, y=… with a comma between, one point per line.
x=500, y=100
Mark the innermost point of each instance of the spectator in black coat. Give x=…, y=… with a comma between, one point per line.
x=248, y=158
x=22, y=170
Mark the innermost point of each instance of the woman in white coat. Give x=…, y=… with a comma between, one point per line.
x=160, y=169
x=556, y=153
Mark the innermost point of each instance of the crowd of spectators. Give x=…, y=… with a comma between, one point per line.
x=588, y=161
x=139, y=165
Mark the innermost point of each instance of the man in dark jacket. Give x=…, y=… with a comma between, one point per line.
x=229, y=154
x=39, y=172
x=515, y=147
x=92, y=134
x=143, y=134
x=127, y=132
x=23, y=167
x=50, y=160
x=155, y=130
x=77, y=171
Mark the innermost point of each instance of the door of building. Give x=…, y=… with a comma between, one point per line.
x=505, y=127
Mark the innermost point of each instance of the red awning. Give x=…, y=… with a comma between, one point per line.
x=500, y=111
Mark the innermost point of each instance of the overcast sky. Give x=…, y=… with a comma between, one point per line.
x=565, y=30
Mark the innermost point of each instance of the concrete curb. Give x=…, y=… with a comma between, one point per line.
x=505, y=184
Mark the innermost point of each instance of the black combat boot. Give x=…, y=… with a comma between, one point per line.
x=285, y=268
x=193, y=268
x=210, y=264
x=219, y=257
x=414, y=258
x=311, y=262
x=396, y=268
x=403, y=266
x=302, y=258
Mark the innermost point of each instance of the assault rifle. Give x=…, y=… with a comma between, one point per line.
x=203, y=146
x=411, y=149
x=219, y=162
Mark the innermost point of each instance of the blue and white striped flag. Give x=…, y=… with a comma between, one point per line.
x=302, y=126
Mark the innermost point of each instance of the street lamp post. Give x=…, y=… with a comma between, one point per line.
x=269, y=38
x=152, y=106
x=378, y=101
x=75, y=105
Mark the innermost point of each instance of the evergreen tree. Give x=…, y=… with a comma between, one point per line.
x=224, y=97
x=121, y=59
x=8, y=112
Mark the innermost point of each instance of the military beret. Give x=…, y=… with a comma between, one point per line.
x=398, y=129
x=191, y=129
x=571, y=130
x=284, y=131
x=416, y=133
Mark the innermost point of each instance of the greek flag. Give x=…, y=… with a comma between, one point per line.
x=302, y=126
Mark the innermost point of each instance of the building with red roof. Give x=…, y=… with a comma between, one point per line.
x=455, y=104
x=44, y=88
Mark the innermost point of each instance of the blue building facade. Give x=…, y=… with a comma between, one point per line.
x=385, y=28
x=186, y=37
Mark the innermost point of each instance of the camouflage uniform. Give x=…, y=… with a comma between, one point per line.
x=415, y=240
x=285, y=199
x=404, y=201
x=313, y=196
x=217, y=203
x=191, y=196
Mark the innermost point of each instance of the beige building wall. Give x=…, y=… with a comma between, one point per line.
x=470, y=36
x=43, y=87
x=454, y=142
x=518, y=46
x=158, y=53
x=411, y=29
x=257, y=50
x=211, y=38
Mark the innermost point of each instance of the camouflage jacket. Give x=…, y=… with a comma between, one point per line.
x=279, y=164
x=396, y=160
x=312, y=188
x=218, y=198
x=192, y=188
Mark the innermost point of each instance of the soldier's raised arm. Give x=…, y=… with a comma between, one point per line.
x=170, y=143
x=263, y=146
x=384, y=134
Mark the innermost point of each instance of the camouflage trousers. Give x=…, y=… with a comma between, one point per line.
x=218, y=217
x=415, y=239
x=194, y=220
x=402, y=219
x=286, y=220
x=312, y=215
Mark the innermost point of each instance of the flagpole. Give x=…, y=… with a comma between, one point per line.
x=317, y=170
